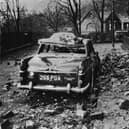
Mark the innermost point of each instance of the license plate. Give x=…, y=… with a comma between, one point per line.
x=50, y=78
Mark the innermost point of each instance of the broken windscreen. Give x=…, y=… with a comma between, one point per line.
x=61, y=49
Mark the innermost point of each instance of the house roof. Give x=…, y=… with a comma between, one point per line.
x=122, y=18
x=116, y=17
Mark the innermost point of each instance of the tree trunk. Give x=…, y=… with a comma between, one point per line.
x=99, y=12
x=102, y=17
x=79, y=11
x=76, y=29
x=18, y=18
x=18, y=25
x=102, y=26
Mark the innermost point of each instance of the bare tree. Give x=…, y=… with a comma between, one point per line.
x=4, y=12
x=121, y=6
x=11, y=11
x=53, y=16
x=98, y=7
x=15, y=13
x=127, y=10
x=72, y=9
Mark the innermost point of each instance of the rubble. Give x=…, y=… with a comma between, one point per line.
x=48, y=113
x=97, y=115
x=1, y=103
x=126, y=93
x=42, y=127
x=84, y=127
x=30, y=124
x=81, y=113
x=125, y=105
x=114, y=84
x=7, y=86
x=16, y=126
x=6, y=124
x=8, y=114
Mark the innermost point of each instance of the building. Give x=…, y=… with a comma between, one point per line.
x=120, y=22
x=90, y=25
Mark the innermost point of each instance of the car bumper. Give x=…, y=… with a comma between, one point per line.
x=66, y=89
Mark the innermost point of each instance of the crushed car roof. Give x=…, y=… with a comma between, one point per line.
x=63, y=39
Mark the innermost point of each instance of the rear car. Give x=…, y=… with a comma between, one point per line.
x=63, y=64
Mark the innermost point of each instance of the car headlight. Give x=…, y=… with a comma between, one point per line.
x=31, y=74
x=80, y=72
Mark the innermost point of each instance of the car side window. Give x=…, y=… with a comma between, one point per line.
x=44, y=48
x=41, y=48
x=61, y=49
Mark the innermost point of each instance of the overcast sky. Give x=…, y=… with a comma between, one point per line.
x=38, y=4
x=35, y=4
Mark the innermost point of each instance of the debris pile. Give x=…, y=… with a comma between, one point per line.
x=114, y=95
x=54, y=112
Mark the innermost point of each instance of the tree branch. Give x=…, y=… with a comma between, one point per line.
x=96, y=9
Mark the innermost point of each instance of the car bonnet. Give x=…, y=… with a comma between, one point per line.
x=59, y=62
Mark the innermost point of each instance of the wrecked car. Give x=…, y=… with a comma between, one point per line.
x=63, y=63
